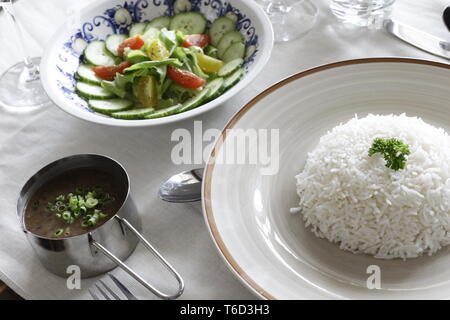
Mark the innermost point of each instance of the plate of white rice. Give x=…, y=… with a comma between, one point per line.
x=305, y=211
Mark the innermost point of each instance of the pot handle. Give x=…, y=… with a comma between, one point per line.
x=138, y=278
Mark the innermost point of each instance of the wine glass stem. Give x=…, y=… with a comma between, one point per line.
x=31, y=72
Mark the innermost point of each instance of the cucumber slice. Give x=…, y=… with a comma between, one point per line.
x=91, y=91
x=97, y=54
x=137, y=28
x=110, y=105
x=220, y=27
x=215, y=88
x=85, y=74
x=236, y=50
x=194, y=102
x=227, y=40
x=163, y=112
x=113, y=42
x=232, y=79
x=133, y=114
x=230, y=67
x=188, y=22
x=159, y=23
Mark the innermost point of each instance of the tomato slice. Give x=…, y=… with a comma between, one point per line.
x=133, y=43
x=209, y=64
x=185, y=78
x=109, y=73
x=198, y=40
x=157, y=51
x=147, y=92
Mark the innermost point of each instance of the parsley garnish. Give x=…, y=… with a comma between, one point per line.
x=394, y=152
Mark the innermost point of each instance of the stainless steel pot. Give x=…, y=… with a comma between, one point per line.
x=105, y=247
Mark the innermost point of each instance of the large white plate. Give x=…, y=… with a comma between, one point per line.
x=248, y=216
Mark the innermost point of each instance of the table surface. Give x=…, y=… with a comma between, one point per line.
x=28, y=141
x=6, y=293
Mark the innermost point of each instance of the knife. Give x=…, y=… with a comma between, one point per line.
x=418, y=38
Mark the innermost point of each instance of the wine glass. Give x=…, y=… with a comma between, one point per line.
x=290, y=19
x=20, y=85
x=370, y=13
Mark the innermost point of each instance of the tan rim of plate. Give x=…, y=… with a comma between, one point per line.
x=209, y=216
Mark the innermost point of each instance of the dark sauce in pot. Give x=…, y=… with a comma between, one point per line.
x=43, y=222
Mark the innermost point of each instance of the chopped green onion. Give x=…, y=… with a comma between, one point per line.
x=89, y=195
x=66, y=215
x=83, y=204
x=85, y=224
x=91, y=202
x=59, y=232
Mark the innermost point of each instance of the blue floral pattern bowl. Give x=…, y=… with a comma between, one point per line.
x=99, y=20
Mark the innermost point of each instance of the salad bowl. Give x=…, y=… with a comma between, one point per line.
x=100, y=20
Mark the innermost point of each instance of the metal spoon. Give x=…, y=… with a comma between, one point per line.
x=183, y=187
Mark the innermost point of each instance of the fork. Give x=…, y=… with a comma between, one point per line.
x=112, y=295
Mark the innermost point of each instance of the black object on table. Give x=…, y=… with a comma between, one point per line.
x=446, y=17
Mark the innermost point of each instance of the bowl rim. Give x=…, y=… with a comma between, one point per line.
x=208, y=213
x=266, y=46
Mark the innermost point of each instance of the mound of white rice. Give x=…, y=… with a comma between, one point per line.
x=354, y=200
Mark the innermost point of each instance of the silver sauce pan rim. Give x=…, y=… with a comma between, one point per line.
x=36, y=179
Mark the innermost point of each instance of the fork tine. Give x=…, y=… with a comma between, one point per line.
x=102, y=292
x=94, y=296
x=115, y=296
x=122, y=288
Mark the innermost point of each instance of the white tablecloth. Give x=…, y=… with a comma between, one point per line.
x=28, y=141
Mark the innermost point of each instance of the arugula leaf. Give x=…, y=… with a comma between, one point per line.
x=113, y=88
x=151, y=64
x=121, y=81
x=165, y=85
x=393, y=150
x=179, y=54
x=179, y=93
x=169, y=39
x=192, y=62
x=164, y=103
